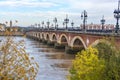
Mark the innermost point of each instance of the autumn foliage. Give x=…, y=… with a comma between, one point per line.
x=15, y=63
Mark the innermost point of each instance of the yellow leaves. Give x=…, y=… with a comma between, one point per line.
x=5, y=77
x=17, y=64
x=86, y=64
x=26, y=57
x=37, y=65
x=26, y=78
x=32, y=69
x=21, y=70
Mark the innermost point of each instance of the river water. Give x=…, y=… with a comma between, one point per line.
x=54, y=64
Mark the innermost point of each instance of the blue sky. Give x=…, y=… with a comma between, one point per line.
x=29, y=12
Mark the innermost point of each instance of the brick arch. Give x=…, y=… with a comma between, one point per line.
x=53, y=37
x=99, y=41
x=35, y=34
x=47, y=36
x=80, y=39
x=63, y=36
x=42, y=36
x=39, y=35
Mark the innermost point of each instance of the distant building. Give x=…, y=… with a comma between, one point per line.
x=12, y=29
x=98, y=27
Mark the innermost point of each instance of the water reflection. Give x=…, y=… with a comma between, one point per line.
x=54, y=64
x=59, y=56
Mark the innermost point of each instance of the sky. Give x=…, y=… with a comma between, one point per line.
x=30, y=12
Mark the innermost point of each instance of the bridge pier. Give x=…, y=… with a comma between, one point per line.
x=73, y=50
x=59, y=46
x=50, y=43
x=32, y=37
x=40, y=40
x=44, y=41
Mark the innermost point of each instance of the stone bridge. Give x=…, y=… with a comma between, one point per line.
x=72, y=41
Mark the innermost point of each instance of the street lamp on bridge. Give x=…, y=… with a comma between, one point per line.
x=55, y=21
x=84, y=18
x=35, y=25
x=42, y=24
x=66, y=21
x=102, y=22
x=117, y=16
x=39, y=26
x=48, y=24
x=63, y=24
x=57, y=26
x=72, y=24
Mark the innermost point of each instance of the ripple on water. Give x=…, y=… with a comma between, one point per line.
x=54, y=64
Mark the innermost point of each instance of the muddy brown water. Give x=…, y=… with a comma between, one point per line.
x=54, y=64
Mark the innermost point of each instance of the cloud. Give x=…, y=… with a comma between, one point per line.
x=26, y=3
x=38, y=16
x=39, y=10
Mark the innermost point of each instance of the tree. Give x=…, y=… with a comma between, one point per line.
x=87, y=66
x=112, y=60
x=105, y=50
x=99, y=63
x=15, y=63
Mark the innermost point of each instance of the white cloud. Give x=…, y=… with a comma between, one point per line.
x=37, y=17
x=26, y=3
x=96, y=9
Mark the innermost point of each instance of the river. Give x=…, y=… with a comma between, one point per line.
x=54, y=64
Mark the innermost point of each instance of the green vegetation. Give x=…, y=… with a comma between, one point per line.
x=112, y=61
x=87, y=66
x=99, y=63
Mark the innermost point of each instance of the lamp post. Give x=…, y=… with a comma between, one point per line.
x=117, y=16
x=55, y=21
x=84, y=18
x=102, y=22
x=48, y=24
x=36, y=25
x=42, y=24
x=39, y=26
x=57, y=26
x=63, y=24
x=66, y=21
x=72, y=24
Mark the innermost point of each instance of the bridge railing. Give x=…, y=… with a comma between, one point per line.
x=76, y=30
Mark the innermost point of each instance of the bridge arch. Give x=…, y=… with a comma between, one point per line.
x=47, y=36
x=39, y=35
x=63, y=39
x=36, y=35
x=99, y=41
x=54, y=37
x=42, y=36
x=77, y=41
